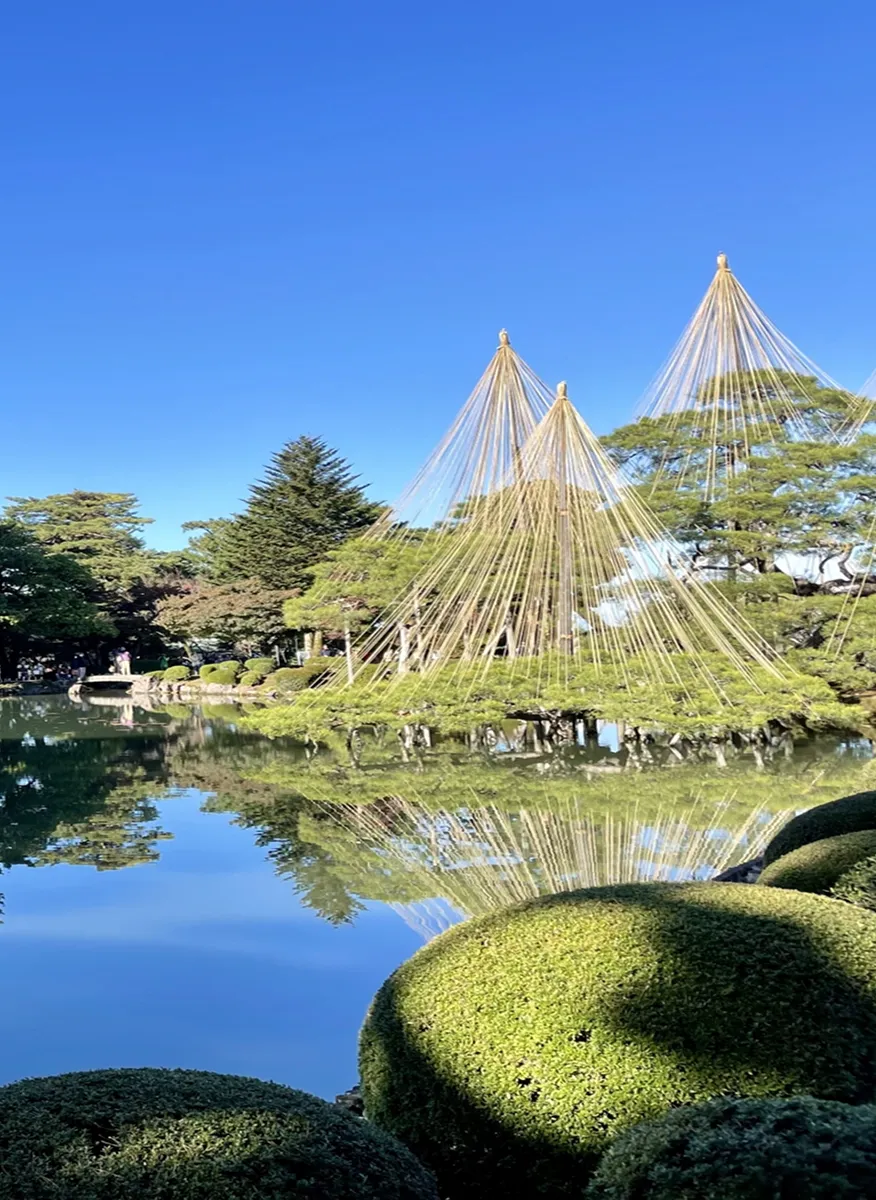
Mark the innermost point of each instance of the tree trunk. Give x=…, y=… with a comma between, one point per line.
x=348, y=652
x=404, y=649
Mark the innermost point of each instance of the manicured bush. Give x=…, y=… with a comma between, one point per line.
x=154, y=674
x=192, y=1135
x=858, y=885
x=207, y=670
x=296, y=679
x=250, y=679
x=226, y=676
x=176, y=674
x=745, y=1150
x=817, y=866
x=510, y=1051
x=847, y=815
x=261, y=666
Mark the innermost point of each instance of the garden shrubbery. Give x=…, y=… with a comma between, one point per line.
x=858, y=885
x=152, y=1134
x=260, y=666
x=250, y=679
x=847, y=815
x=175, y=674
x=296, y=679
x=817, y=866
x=745, y=1150
x=512, y=1050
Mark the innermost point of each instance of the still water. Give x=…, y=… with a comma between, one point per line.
x=178, y=891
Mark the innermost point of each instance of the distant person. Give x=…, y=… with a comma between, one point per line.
x=124, y=662
x=80, y=667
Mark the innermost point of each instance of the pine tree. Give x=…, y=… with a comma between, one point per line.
x=308, y=503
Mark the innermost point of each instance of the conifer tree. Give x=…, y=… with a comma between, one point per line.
x=308, y=503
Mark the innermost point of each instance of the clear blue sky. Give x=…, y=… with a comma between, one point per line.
x=226, y=224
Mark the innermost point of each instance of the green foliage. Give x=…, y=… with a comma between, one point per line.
x=223, y=675
x=260, y=666
x=858, y=885
x=512, y=1050
x=745, y=1150
x=296, y=679
x=242, y=613
x=250, y=678
x=151, y=1134
x=176, y=674
x=817, y=866
x=45, y=599
x=847, y=815
x=308, y=503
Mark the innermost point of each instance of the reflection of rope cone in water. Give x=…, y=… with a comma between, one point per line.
x=473, y=861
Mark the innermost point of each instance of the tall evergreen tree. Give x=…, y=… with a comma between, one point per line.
x=308, y=503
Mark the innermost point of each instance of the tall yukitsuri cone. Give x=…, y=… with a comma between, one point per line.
x=561, y=563
x=734, y=382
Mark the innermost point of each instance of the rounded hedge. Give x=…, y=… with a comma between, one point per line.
x=175, y=674
x=250, y=679
x=225, y=676
x=261, y=666
x=152, y=1134
x=296, y=679
x=817, y=866
x=847, y=815
x=858, y=885
x=745, y=1150
x=517, y=1046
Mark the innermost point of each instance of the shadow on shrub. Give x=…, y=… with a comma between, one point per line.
x=192, y=1135
x=817, y=866
x=847, y=815
x=858, y=885
x=745, y=1150
x=512, y=1050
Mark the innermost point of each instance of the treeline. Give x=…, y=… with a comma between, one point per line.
x=76, y=574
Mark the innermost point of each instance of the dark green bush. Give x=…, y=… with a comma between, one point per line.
x=513, y=1049
x=847, y=815
x=192, y=1135
x=858, y=885
x=249, y=679
x=176, y=674
x=261, y=666
x=745, y=1150
x=817, y=866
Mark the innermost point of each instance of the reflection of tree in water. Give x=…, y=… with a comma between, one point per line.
x=473, y=833
x=69, y=796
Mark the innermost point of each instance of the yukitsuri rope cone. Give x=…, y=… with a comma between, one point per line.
x=561, y=563
x=733, y=367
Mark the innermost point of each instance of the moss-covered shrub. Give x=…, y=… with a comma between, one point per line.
x=250, y=679
x=207, y=670
x=513, y=1049
x=175, y=674
x=817, y=866
x=847, y=815
x=858, y=885
x=226, y=676
x=261, y=666
x=745, y=1150
x=192, y=1135
x=296, y=679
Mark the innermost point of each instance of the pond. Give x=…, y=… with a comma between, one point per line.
x=178, y=891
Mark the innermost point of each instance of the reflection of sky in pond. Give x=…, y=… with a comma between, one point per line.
x=206, y=939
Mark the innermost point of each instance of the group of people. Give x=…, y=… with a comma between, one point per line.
x=121, y=662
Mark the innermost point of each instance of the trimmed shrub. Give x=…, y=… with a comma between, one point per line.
x=226, y=676
x=193, y=1135
x=858, y=885
x=154, y=674
x=847, y=815
x=510, y=1051
x=261, y=666
x=817, y=866
x=745, y=1150
x=296, y=679
x=207, y=670
x=176, y=674
x=249, y=679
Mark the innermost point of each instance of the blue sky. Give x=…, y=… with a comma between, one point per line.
x=226, y=224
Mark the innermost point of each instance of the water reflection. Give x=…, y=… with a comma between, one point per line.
x=439, y=833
